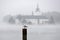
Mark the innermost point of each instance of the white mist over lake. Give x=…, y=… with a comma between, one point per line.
x=35, y=32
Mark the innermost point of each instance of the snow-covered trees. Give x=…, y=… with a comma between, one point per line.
x=19, y=19
x=51, y=20
x=9, y=19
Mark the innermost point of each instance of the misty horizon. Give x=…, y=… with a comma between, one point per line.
x=27, y=6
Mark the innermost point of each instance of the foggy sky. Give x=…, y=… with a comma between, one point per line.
x=27, y=6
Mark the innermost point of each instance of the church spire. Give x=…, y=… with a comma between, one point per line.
x=37, y=9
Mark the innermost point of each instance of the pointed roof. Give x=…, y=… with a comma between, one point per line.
x=37, y=9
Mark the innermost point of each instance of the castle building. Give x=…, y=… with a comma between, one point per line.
x=37, y=11
x=36, y=17
x=42, y=19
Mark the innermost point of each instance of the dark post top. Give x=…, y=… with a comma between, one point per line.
x=24, y=33
x=25, y=26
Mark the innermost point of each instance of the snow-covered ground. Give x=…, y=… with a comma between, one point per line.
x=35, y=32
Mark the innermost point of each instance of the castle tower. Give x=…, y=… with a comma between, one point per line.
x=37, y=11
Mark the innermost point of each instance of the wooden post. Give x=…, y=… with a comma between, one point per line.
x=24, y=33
